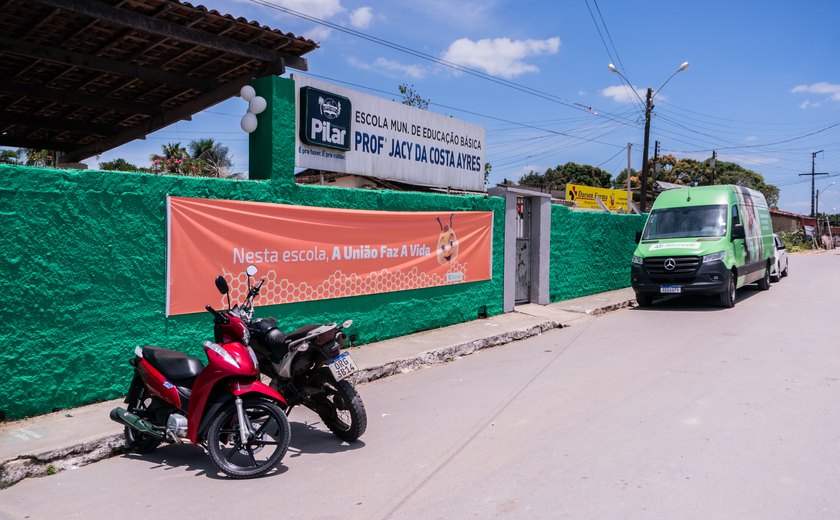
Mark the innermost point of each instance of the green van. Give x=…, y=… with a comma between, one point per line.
x=703, y=240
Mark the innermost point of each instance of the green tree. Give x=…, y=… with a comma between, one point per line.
x=119, y=165
x=487, y=169
x=175, y=160
x=10, y=156
x=214, y=154
x=621, y=179
x=35, y=157
x=690, y=172
x=556, y=178
x=411, y=97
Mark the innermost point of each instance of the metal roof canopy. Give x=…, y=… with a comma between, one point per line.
x=85, y=76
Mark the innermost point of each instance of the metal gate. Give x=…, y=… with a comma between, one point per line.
x=523, y=250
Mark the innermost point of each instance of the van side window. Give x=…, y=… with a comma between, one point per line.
x=735, y=218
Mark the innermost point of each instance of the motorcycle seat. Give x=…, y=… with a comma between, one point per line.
x=175, y=365
x=300, y=333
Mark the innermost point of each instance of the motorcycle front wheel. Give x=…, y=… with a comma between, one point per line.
x=342, y=409
x=267, y=441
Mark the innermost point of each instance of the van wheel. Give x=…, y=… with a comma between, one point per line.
x=778, y=276
x=764, y=283
x=785, y=272
x=644, y=300
x=727, y=297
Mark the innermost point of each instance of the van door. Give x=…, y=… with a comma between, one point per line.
x=738, y=246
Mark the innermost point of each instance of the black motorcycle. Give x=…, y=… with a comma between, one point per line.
x=306, y=366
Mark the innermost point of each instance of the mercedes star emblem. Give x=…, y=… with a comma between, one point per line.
x=670, y=264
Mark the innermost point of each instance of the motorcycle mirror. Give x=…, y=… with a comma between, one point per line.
x=251, y=270
x=346, y=324
x=221, y=284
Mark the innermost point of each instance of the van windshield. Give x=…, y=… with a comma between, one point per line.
x=695, y=221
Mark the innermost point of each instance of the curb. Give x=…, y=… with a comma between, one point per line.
x=449, y=353
x=14, y=470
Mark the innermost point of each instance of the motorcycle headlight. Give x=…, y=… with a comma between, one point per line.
x=638, y=260
x=714, y=257
x=246, y=336
x=254, y=358
x=221, y=352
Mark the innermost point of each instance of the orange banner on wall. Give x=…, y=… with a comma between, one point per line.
x=308, y=253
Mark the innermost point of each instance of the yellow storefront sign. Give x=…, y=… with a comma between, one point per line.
x=585, y=197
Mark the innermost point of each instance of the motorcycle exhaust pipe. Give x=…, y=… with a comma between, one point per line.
x=127, y=418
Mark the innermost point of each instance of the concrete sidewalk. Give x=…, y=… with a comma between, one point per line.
x=54, y=442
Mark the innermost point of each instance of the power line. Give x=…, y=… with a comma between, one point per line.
x=439, y=61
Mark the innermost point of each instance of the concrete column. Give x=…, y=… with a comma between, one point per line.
x=540, y=243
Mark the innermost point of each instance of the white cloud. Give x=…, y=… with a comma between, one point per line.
x=412, y=71
x=623, y=94
x=832, y=90
x=500, y=56
x=528, y=168
x=361, y=17
x=317, y=33
x=805, y=105
x=750, y=138
x=316, y=8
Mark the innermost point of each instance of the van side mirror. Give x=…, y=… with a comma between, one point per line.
x=638, y=236
x=738, y=232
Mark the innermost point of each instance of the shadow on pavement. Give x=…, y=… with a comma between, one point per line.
x=698, y=303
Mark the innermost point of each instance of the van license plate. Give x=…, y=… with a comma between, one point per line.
x=670, y=289
x=342, y=366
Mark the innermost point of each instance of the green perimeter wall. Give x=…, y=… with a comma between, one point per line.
x=590, y=252
x=84, y=273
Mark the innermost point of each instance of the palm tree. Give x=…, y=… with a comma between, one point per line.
x=170, y=160
x=10, y=156
x=212, y=153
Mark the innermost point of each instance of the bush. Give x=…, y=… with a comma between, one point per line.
x=796, y=241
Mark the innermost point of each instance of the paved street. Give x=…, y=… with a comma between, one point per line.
x=682, y=410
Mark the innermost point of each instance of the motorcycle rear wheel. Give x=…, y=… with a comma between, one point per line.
x=342, y=410
x=265, y=447
x=136, y=441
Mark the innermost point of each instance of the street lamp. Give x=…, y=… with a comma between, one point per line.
x=648, y=103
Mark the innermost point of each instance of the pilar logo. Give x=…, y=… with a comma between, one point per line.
x=325, y=118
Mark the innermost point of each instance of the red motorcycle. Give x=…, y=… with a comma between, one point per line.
x=307, y=366
x=223, y=406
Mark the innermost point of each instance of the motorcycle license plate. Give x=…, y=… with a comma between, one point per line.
x=670, y=289
x=342, y=366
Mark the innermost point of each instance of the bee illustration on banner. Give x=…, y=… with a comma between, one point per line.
x=447, y=248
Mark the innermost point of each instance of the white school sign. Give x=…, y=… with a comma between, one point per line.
x=384, y=139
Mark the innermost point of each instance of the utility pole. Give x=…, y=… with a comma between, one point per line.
x=813, y=174
x=655, y=164
x=629, y=195
x=712, y=164
x=648, y=109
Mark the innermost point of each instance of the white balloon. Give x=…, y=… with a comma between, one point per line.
x=247, y=92
x=249, y=122
x=257, y=105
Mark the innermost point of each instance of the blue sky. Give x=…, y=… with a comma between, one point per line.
x=762, y=88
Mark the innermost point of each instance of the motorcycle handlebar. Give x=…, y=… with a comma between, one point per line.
x=220, y=316
x=255, y=290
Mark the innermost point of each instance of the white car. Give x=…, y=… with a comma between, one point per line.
x=780, y=266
